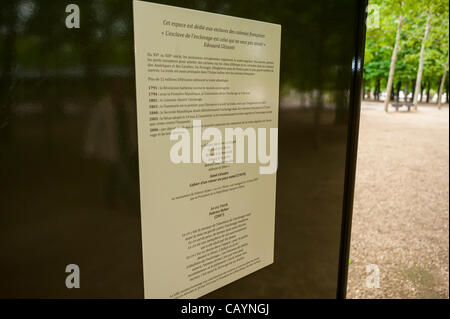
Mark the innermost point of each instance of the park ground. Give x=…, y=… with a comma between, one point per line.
x=401, y=208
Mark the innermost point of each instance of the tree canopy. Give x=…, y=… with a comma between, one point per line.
x=381, y=36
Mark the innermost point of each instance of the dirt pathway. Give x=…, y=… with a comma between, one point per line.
x=401, y=209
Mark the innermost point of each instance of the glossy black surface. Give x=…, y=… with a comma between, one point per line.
x=68, y=165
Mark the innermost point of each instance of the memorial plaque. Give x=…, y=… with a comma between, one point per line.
x=207, y=112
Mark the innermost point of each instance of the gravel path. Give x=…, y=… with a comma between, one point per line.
x=401, y=209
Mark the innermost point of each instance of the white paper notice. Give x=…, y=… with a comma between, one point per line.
x=204, y=224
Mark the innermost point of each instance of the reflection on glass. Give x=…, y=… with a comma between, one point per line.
x=69, y=178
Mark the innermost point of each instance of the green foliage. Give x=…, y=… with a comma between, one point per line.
x=380, y=40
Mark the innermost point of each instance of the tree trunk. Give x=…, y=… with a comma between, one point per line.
x=406, y=91
x=393, y=60
x=421, y=59
x=397, y=91
x=428, y=91
x=446, y=91
x=441, y=88
x=377, y=90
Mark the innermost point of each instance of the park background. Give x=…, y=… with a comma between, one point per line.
x=401, y=208
x=52, y=81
